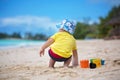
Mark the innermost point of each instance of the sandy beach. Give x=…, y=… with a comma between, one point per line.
x=24, y=63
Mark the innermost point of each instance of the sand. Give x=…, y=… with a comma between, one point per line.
x=24, y=63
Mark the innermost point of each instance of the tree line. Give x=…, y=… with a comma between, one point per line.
x=83, y=29
x=27, y=35
x=5, y=35
x=96, y=30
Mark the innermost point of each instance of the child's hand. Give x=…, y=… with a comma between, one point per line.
x=75, y=58
x=41, y=52
x=46, y=44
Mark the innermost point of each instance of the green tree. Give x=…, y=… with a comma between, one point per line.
x=3, y=35
x=28, y=35
x=80, y=31
x=15, y=35
x=40, y=37
x=104, y=29
x=92, y=31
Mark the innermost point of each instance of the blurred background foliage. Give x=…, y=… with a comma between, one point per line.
x=83, y=30
x=96, y=30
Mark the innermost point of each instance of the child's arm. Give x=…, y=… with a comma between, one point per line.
x=75, y=58
x=47, y=44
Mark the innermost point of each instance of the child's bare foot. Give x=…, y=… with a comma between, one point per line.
x=51, y=67
x=75, y=65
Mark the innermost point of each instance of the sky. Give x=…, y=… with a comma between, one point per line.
x=41, y=16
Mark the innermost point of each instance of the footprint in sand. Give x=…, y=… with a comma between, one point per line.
x=117, y=62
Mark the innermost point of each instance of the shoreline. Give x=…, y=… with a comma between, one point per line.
x=6, y=43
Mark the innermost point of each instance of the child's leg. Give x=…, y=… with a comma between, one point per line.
x=51, y=63
x=66, y=63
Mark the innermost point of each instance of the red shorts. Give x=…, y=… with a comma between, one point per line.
x=56, y=57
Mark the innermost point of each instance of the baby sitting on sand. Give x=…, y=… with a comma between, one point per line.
x=62, y=45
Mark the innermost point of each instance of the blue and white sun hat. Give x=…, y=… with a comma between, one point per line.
x=67, y=25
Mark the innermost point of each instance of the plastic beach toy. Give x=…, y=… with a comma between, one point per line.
x=84, y=63
x=102, y=62
x=96, y=61
x=92, y=65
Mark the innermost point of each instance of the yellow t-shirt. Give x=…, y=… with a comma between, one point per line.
x=64, y=44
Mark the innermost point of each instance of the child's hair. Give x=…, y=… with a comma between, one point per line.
x=67, y=25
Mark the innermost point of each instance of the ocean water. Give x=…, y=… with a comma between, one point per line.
x=18, y=43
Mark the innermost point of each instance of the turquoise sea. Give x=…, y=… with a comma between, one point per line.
x=18, y=43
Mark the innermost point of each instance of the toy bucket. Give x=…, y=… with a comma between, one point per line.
x=102, y=62
x=84, y=63
x=96, y=61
